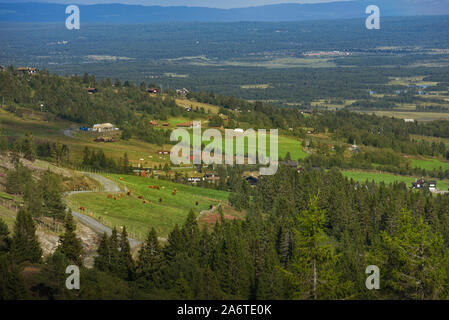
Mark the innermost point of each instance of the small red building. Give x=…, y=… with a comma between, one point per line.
x=154, y=90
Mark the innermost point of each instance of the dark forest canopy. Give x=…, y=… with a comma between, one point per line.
x=299, y=226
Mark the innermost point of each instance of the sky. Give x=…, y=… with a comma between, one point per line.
x=196, y=3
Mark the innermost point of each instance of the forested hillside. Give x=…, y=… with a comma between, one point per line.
x=299, y=227
x=307, y=232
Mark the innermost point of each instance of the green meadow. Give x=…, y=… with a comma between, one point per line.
x=139, y=217
x=429, y=164
x=387, y=178
x=285, y=144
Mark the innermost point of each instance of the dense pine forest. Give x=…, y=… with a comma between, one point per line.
x=307, y=235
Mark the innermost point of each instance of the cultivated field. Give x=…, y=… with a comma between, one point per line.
x=140, y=217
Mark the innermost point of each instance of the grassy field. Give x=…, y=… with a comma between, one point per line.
x=5, y=196
x=387, y=178
x=255, y=86
x=194, y=104
x=140, y=217
x=31, y=122
x=285, y=144
x=420, y=116
x=429, y=164
x=288, y=62
x=8, y=217
x=431, y=139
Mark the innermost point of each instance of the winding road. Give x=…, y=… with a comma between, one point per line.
x=108, y=186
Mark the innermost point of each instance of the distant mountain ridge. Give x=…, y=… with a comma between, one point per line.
x=122, y=13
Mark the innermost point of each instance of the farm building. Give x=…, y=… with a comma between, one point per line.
x=153, y=123
x=409, y=120
x=194, y=179
x=184, y=125
x=154, y=90
x=91, y=90
x=104, y=127
x=354, y=148
x=182, y=92
x=104, y=139
x=210, y=177
x=423, y=184
x=252, y=180
x=27, y=70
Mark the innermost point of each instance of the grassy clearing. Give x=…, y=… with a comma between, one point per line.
x=139, y=217
x=362, y=176
x=6, y=196
x=431, y=139
x=194, y=104
x=255, y=86
x=31, y=121
x=8, y=216
x=429, y=164
x=290, y=62
x=420, y=116
x=285, y=144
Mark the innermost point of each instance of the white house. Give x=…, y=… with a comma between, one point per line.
x=104, y=127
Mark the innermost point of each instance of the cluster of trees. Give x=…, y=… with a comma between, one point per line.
x=67, y=98
x=29, y=148
x=366, y=161
x=307, y=235
x=23, y=249
x=97, y=160
x=380, y=132
x=432, y=109
x=42, y=197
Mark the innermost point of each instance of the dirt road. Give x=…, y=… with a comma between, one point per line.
x=107, y=186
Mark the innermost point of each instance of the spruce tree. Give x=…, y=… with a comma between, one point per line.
x=150, y=260
x=174, y=245
x=12, y=285
x=313, y=271
x=28, y=147
x=25, y=246
x=5, y=240
x=53, y=204
x=70, y=244
x=413, y=261
x=126, y=263
x=33, y=198
x=114, y=252
x=103, y=260
x=190, y=233
x=126, y=168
